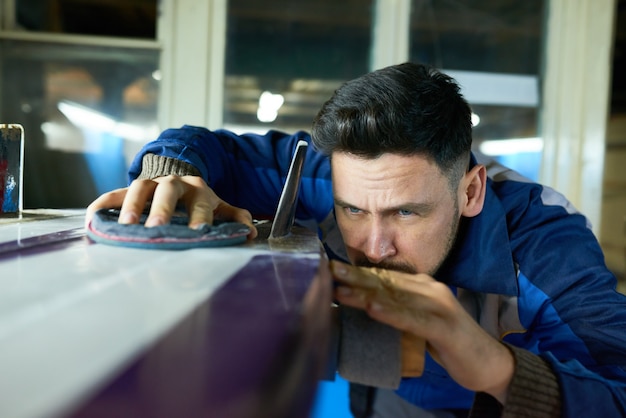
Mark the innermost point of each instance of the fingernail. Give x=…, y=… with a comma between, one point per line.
x=154, y=221
x=127, y=218
x=375, y=306
x=340, y=269
x=200, y=227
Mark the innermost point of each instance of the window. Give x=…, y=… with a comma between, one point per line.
x=285, y=58
x=82, y=78
x=494, y=50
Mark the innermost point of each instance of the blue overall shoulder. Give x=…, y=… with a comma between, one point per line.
x=567, y=302
x=533, y=256
x=583, y=347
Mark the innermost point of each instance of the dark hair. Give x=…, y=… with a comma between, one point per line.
x=403, y=109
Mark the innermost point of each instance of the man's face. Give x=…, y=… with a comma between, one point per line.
x=395, y=211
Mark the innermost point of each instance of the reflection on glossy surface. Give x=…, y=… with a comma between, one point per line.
x=255, y=349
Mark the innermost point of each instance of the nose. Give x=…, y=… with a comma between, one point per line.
x=379, y=245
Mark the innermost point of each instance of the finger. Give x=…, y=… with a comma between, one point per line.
x=354, y=276
x=164, y=200
x=379, y=300
x=380, y=308
x=200, y=212
x=402, y=317
x=137, y=195
x=387, y=296
x=353, y=297
x=112, y=199
x=203, y=205
x=376, y=305
x=200, y=201
x=226, y=211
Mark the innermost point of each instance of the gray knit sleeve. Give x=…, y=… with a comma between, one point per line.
x=153, y=166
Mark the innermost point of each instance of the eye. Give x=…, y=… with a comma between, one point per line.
x=405, y=212
x=352, y=210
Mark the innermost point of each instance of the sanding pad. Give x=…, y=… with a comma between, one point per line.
x=104, y=228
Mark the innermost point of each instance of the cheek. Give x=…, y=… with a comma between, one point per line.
x=436, y=235
x=424, y=246
x=414, y=244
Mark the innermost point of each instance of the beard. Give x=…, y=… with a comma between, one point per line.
x=405, y=267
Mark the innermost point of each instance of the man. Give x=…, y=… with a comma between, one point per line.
x=501, y=277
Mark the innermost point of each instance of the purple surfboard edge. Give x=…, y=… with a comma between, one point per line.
x=256, y=348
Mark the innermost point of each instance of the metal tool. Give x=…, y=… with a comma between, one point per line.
x=286, y=211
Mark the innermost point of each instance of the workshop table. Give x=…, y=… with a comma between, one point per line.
x=93, y=330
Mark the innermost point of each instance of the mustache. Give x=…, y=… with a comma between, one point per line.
x=401, y=267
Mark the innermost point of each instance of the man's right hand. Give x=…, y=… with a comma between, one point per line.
x=164, y=193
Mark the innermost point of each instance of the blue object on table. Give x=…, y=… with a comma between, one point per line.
x=104, y=228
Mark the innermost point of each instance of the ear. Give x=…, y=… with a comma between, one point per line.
x=473, y=187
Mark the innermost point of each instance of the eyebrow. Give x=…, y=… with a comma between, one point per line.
x=422, y=208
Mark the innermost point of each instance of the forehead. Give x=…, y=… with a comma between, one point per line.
x=389, y=175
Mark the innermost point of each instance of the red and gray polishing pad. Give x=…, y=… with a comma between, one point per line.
x=104, y=228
